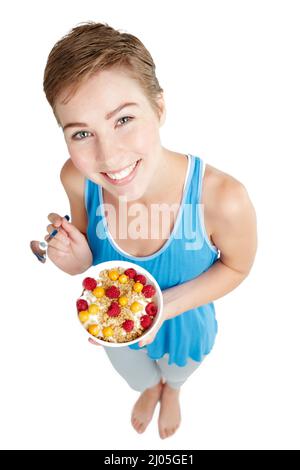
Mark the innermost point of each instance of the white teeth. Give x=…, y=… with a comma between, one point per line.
x=123, y=173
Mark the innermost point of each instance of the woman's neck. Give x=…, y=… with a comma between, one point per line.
x=168, y=179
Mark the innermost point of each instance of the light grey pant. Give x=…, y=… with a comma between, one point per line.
x=141, y=372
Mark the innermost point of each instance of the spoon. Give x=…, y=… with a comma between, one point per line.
x=39, y=249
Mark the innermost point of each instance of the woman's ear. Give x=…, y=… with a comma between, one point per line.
x=161, y=109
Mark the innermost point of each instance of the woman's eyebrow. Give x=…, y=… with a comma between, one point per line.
x=108, y=116
x=119, y=108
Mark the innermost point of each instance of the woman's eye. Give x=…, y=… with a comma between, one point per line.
x=77, y=133
x=82, y=132
x=125, y=117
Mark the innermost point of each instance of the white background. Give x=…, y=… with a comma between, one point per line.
x=230, y=71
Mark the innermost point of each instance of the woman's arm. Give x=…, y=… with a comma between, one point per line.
x=73, y=183
x=236, y=237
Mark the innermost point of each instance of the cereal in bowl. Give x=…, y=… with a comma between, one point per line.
x=118, y=306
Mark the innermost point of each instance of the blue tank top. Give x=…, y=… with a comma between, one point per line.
x=185, y=255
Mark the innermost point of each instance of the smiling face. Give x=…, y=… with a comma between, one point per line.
x=120, y=152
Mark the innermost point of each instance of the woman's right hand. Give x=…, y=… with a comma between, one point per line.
x=68, y=249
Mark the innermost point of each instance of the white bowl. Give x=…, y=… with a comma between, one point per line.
x=157, y=298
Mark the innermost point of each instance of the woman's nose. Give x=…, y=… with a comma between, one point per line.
x=111, y=163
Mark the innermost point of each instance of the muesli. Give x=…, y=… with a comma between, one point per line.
x=118, y=306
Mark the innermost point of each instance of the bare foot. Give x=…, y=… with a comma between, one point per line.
x=169, y=416
x=143, y=409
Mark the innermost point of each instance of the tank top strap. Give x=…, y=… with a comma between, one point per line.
x=196, y=200
x=200, y=179
x=196, y=181
x=89, y=196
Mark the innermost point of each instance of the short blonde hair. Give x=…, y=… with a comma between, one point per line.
x=90, y=47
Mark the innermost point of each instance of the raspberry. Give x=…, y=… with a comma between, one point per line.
x=89, y=283
x=112, y=292
x=151, y=309
x=114, y=309
x=128, y=324
x=145, y=321
x=82, y=305
x=148, y=291
x=131, y=273
x=140, y=278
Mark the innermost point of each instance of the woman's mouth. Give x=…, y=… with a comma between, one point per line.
x=124, y=176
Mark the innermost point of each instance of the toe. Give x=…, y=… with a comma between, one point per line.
x=136, y=424
x=142, y=428
x=139, y=425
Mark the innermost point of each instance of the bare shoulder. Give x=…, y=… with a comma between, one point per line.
x=223, y=194
x=73, y=182
x=71, y=178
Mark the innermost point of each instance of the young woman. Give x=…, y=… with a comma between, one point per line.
x=102, y=87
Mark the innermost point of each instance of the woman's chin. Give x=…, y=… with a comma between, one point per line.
x=131, y=194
